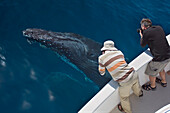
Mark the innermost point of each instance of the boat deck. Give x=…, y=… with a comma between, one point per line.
x=151, y=100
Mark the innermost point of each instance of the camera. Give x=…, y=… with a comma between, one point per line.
x=138, y=30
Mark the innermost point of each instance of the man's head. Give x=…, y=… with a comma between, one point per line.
x=145, y=23
x=108, y=46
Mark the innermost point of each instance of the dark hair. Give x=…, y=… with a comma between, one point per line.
x=146, y=22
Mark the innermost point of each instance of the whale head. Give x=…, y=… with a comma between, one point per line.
x=67, y=44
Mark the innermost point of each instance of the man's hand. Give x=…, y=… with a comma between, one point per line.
x=141, y=33
x=102, y=52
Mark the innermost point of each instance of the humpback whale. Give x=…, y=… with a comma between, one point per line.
x=78, y=51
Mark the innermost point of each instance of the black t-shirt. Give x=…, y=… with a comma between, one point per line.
x=155, y=38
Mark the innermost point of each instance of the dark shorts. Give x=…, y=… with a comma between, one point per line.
x=153, y=68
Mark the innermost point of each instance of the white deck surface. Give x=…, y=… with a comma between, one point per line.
x=151, y=101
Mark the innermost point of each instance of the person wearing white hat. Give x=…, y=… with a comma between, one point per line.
x=113, y=60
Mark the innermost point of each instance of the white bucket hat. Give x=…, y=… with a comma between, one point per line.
x=108, y=45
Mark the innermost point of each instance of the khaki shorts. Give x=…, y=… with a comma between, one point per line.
x=153, y=68
x=125, y=89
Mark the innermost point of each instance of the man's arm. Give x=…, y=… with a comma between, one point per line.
x=101, y=67
x=143, y=41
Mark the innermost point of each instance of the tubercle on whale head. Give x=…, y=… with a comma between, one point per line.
x=27, y=33
x=36, y=35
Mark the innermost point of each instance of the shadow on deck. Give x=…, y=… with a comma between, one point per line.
x=151, y=100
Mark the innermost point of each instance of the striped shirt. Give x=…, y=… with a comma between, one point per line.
x=116, y=65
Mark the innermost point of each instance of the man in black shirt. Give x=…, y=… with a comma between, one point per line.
x=155, y=38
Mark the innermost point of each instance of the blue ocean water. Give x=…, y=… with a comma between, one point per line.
x=34, y=79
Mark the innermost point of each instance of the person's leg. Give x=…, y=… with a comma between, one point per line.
x=137, y=89
x=162, y=75
x=152, y=81
x=124, y=92
x=162, y=81
x=151, y=71
x=136, y=86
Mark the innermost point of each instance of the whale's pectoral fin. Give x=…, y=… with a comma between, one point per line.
x=91, y=70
